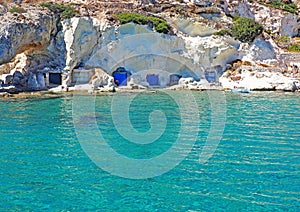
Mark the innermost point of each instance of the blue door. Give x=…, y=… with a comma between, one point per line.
x=153, y=80
x=210, y=76
x=120, y=78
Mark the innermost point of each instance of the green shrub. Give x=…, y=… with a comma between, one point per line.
x=268, y=31
x=295, y=47
x=289, y=7
x=66, y=11
x=246, y=29
x=17, y=10
x=159, y=24
x=162, y=28
x=284, y=39
x=223, y=32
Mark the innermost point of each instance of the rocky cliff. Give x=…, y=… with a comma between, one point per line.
x=68, y=37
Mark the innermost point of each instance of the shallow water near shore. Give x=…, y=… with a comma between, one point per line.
x=255, y=166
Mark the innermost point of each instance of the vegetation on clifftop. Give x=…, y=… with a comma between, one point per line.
x=289, y=7
x=17, y=10
x=243, y=29
x=159, y=24
x=66, y=11
x=246, y=29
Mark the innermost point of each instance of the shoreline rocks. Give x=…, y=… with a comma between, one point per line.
x=37, y=43
x=101, y=81
x=263, y=80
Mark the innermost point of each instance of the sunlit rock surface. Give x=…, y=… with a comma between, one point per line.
x=102, y=81
x=261, y=50
x=274, y=20
x=143, y=52
x=258, y=80
x=81, y=36
x=22, y=32
x=37, y=43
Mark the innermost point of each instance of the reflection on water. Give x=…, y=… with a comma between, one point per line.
x=255, y=167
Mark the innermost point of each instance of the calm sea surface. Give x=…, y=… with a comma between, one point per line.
x=255, y=167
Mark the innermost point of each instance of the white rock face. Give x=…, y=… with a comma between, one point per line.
x=212, y=51
x=80, y=36
x=15, y=35
x=144, y=52
x=191, y=28
x=102, y=81
x=264, y=51
x=19, y=63
x=259, y=80
x=275, y=20
x=289, y=25
x=88, y=42
x=32, y=44
x=139, y=49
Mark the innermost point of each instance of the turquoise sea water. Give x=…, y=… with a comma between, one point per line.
x=256, y=166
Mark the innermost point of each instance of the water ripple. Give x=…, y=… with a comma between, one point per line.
x=255, y=167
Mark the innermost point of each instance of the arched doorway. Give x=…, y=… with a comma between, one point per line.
x=174, y=79
x=121, y=76
x=211, y=76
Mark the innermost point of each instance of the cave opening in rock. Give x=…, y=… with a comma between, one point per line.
x=55, y=78
x=174, y=79
x=82, y=76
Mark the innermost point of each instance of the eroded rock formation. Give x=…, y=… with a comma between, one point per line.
x=39, y=49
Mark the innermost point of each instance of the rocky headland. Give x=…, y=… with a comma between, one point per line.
x=99, y=45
